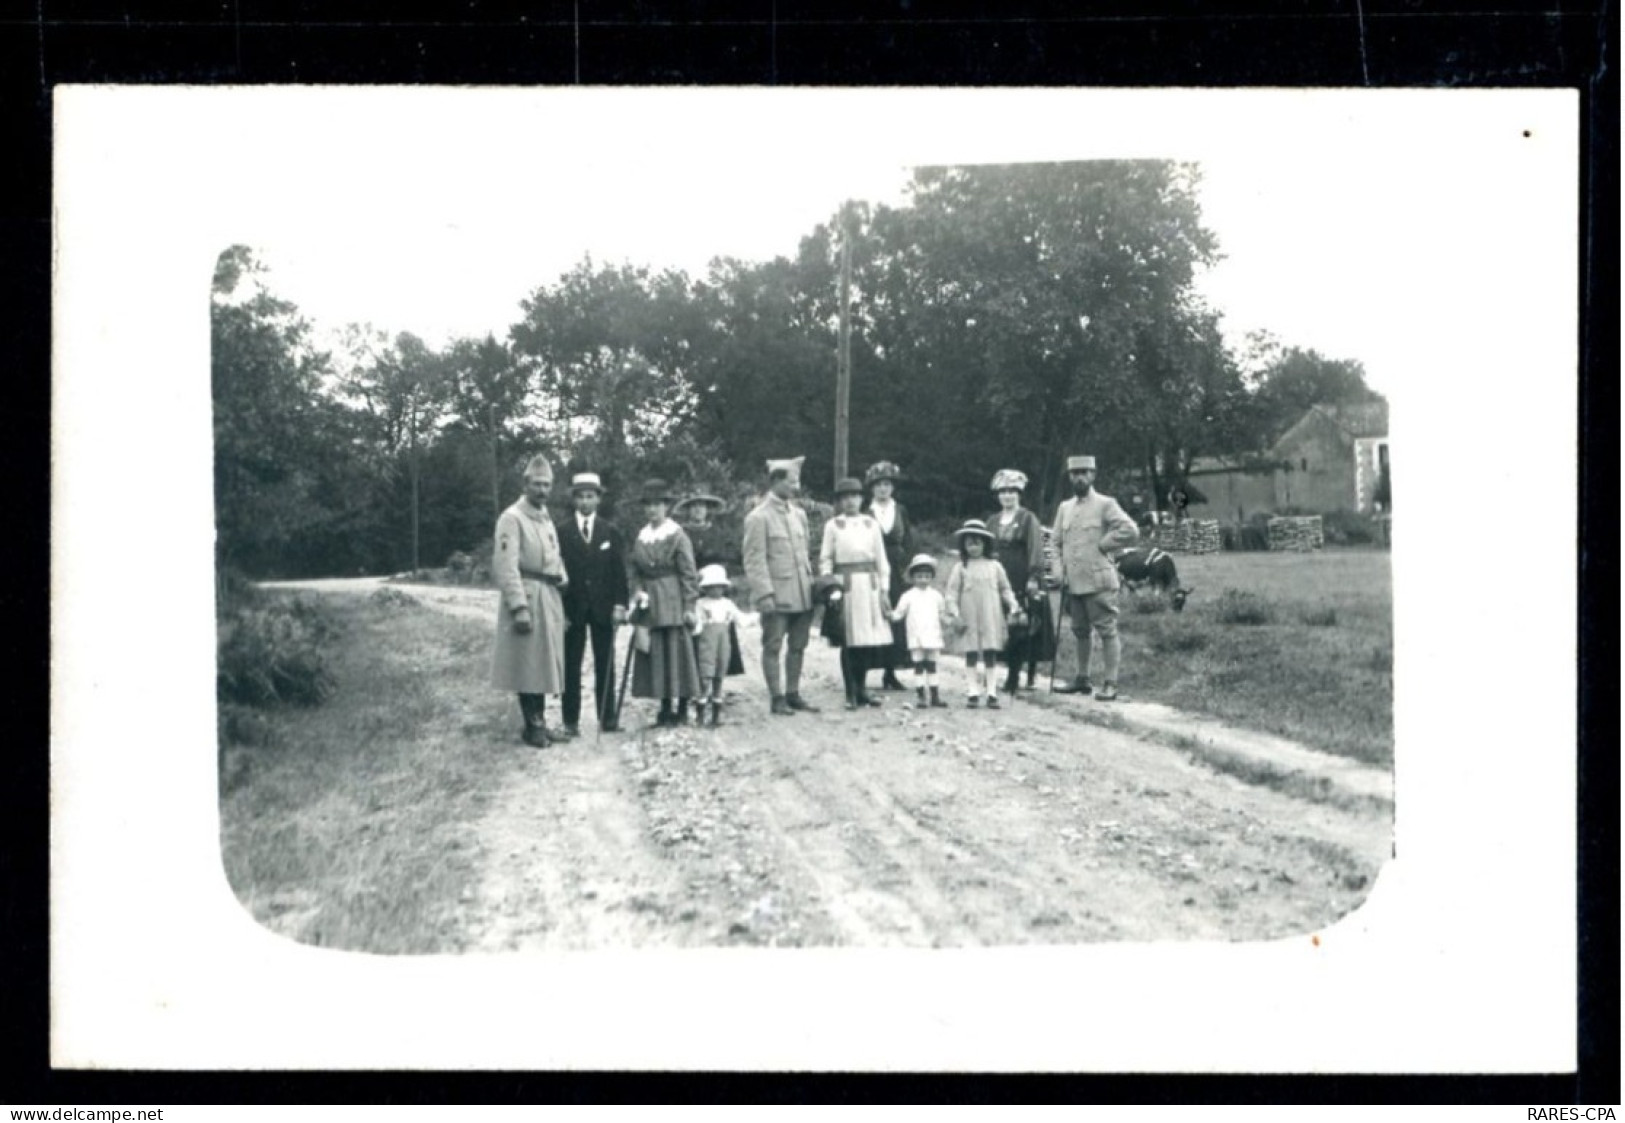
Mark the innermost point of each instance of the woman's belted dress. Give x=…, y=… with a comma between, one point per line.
x=854, y=551
x=897, y=532
x=661, y=564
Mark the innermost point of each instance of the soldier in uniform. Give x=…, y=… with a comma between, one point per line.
x=529, y=571
x=778, y=569
x=1087, y=528
x=595, y=601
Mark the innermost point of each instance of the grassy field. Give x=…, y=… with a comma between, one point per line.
x=353, y=828
x=1300, y=645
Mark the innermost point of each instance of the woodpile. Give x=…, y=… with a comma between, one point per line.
x=1193, y=536
x=1301, y=533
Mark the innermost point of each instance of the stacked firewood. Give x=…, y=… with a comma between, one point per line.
x=1301, y=532
x=1193, y=536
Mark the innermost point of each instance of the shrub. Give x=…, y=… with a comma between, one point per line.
x=1348, y=528
x=1319, y=617
x=1245, y=536
x=273, y=653
x=389, y=597
x=1182, y=642
x=1238, y=607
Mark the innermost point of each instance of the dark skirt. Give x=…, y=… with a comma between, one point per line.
x=1034, y=641
x=669, y=670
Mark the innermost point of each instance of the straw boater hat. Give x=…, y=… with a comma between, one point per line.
x=849, y=485
x=1008, y=479
x=586, y=481
x=884, y=470
x=714, y=576
x=922, y=561
x=656, y=491
x=1079, y=463
x=976, y=527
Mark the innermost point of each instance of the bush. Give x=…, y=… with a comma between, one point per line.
x=388, y=596
x=273, y=653
x=1349, y=528
x=1245, y=536
x=1320, y=617
x=1182, y=642
x=1238, y=607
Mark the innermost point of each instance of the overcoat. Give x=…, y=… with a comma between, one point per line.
x=1085, y=530
x=777, y=563
x=529, y=572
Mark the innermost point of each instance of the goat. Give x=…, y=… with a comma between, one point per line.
x=1148, y=565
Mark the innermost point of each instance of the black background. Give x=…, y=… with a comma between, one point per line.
x=1378, y=43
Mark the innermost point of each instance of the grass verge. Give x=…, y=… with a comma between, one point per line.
x=353, y=825
x=1298, y=645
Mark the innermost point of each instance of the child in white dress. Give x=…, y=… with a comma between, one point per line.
x=715, y=618
x=979, y=594
x=921, y=610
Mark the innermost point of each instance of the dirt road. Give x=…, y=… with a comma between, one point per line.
x=899, y=827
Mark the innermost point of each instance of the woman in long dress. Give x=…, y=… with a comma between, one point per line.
x=1019, y=547
x=664, y=587
x=898, y=533
x=855, y=552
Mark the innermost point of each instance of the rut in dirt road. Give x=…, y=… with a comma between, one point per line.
x=900, y=827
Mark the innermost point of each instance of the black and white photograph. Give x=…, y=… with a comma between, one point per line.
x=831, y=570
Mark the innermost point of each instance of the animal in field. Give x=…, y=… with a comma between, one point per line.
x=1149, y=565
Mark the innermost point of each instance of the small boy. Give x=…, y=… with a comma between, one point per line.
x=715, y=617
x=921, y=610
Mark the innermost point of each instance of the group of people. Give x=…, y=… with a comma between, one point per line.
x=569, y=583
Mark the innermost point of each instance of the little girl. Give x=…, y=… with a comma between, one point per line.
x=921, y=610
x=714, y=630
x=979, y=593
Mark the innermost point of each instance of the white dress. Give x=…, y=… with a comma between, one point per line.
x=854, y=550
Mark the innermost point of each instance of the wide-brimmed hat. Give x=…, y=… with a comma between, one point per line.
x=921, y=561
x=1079, y=463
x=1008, y=479
x=882, y=470
x=710, y=502
x=714, y=576
x=657, y=491
x=976, y=527
x=850, y=485
x=586, y=481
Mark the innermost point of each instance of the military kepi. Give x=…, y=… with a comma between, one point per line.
x=792, y=466
x=1080, y=463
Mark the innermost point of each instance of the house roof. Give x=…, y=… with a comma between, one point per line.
x=1360, y=419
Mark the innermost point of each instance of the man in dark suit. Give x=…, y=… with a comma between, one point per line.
x=594, y=553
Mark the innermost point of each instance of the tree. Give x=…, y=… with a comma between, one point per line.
x=1295, y=378
x=268, y=448
x=488, y=393
x=1004, y=309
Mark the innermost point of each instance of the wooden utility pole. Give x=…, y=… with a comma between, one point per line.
x=843, y=354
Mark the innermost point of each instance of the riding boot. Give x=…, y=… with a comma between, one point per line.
x=936, y=699
x=681, y=717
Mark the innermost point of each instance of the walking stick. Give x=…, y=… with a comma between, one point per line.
x=626, y=677
x=1055, y=648
x=603, y=706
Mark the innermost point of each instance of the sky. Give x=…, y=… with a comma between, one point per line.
x=1283, y=267
x=1337, y=214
